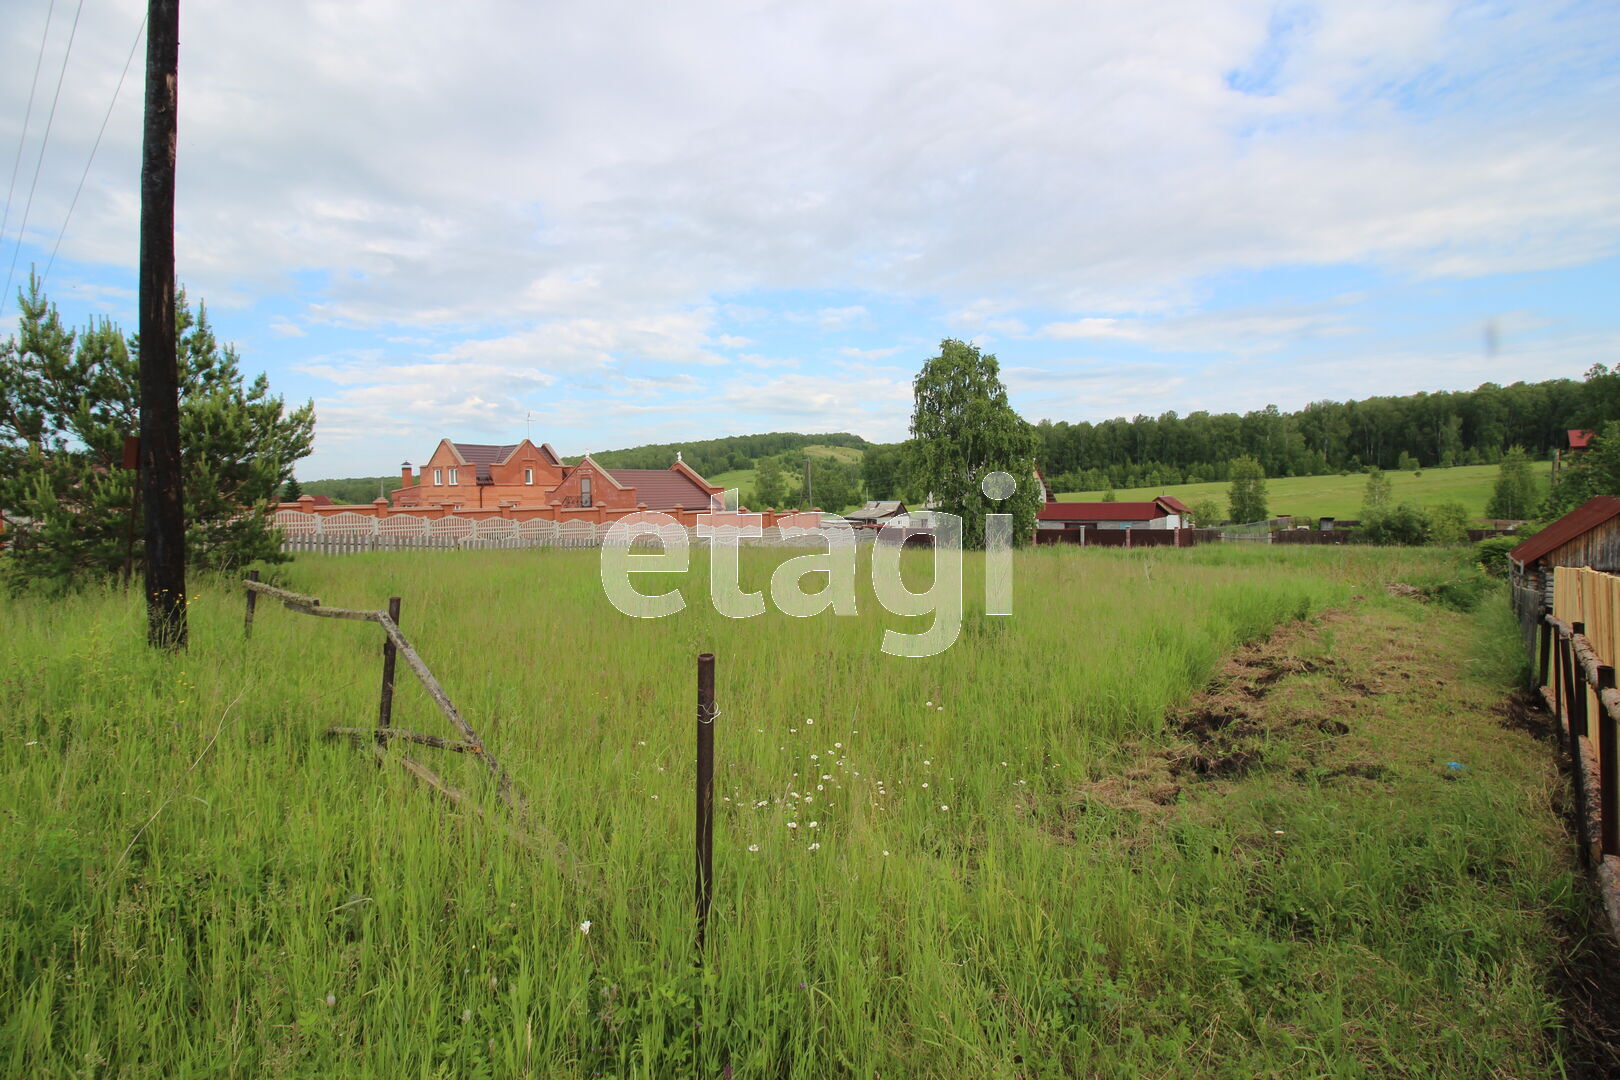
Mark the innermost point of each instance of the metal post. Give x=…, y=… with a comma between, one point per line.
x=705, y=794
x=252, y=599
x=1608, y=767
x=385, y=705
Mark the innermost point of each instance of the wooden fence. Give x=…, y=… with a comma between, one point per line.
x=1575, y=647
x=383, y=735
x=350, y=534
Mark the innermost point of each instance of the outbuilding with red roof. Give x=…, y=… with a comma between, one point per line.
x=1164, y=512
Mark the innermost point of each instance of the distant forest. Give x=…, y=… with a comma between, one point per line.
x=720, y=455
x=1468, y=427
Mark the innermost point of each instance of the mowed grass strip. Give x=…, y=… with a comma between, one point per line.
x=913, y=874
x=1311, y=497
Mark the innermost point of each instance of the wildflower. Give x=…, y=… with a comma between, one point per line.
x=753, y=847
x=494, y=982
x=1277, y=832
x=793, y=824
x=466, y=1015
x=925, y=784
x=813, y=824
x=815, y=847
x=928, y=704
x=839, y=745
x=808, y=720
x=585, y=927
x=941, y=708
x=927, y=762
x=942, y=806
x=331, y=1000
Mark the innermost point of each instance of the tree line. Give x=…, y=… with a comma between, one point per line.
x=1469, y=427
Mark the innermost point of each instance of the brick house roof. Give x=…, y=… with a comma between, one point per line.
x=663, y=489
x=483, y=455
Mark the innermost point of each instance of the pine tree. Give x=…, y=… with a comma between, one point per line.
x=67, y=402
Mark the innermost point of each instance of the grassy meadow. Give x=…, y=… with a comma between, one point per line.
x=1341, y=496
x=912, y=879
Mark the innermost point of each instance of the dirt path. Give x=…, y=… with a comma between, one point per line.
x=1393, y=728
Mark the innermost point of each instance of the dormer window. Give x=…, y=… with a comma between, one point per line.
x=438, y=477
x=528, y=476
x=585, y=491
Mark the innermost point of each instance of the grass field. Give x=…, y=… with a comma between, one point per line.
x=922, y=869
x=1341, y=496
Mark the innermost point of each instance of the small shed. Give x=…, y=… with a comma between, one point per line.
x=1588, y=535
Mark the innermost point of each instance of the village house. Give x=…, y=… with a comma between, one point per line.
x=877, y=513
x=1164, y=512
x=523, y=476
x=1588, y=535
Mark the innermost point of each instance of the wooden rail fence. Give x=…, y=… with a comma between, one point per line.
x=395, y=646
x=1574, y=646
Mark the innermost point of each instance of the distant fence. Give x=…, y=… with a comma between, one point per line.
x=1312, y=536
x=1120, y=538
x=350, y=533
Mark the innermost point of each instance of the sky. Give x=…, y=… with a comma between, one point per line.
x=604, y=224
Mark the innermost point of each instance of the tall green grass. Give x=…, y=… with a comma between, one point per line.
x=193, y=883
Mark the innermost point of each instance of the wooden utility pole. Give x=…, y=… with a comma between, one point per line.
x=809, y=492
x=162, y=485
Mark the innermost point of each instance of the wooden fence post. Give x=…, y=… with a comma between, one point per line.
x=1544, y=656
x=705, y=795
x=1608, y=766
x=1577, y=685
x=252, y=599
x=385, y=705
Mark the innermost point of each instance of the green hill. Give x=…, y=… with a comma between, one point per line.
x=743, y=479
x=1340, y=496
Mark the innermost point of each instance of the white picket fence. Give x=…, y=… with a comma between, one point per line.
x=348, y=533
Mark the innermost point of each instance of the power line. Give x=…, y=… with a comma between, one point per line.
x=22, y=140
x=94, y=147
x=44, y=141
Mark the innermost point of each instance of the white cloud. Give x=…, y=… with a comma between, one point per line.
x=490, y=162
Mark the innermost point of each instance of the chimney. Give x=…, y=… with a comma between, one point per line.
x=405, y=474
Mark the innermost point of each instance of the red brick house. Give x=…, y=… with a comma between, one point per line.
x=523, y=476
